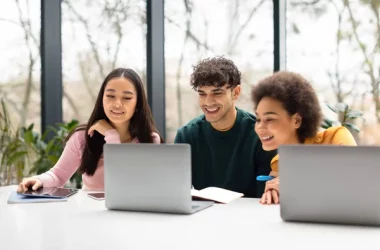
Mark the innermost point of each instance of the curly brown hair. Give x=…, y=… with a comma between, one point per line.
x=296, y=95
x=216, y=71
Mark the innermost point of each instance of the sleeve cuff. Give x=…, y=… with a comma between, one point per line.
x=112, y=136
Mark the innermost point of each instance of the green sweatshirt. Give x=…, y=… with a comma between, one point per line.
x=231, y=159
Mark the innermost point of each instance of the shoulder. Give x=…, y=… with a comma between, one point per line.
x=245, y=117
x=245, y=124
x=333, y=130
x=77, y=140
x=193, y=125
x=338, y=135
x=191, y=130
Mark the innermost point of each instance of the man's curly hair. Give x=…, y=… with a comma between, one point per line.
x=296, y=95
x=217, y=71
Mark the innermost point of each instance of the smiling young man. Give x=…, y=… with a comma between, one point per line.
x=226, y=151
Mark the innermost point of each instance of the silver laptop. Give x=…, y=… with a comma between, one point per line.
x=149, y=177
x=330, y=184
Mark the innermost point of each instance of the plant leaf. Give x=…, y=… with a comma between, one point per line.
x=332, y=108
x=30, y=128
x=351, y=127
x=327, y=123
x=341, y=107
x=53, y=159
x=353, y=114
x=71, y=125
x=16, y=157
x=325, y=126
x=28, y=137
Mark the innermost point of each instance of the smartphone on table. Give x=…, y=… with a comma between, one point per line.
x=97, y=196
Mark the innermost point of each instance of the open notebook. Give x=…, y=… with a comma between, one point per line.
x=215, y=194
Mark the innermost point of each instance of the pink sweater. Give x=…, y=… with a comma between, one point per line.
x=70, y=160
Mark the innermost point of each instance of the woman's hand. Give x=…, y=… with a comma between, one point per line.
x=33, y=182
x=102, y=126
x=271, y=194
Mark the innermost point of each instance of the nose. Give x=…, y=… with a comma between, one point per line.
x=209, y=100
x=117, y=103
x=259, y=125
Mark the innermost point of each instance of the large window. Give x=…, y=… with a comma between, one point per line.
x=335, y=44
x=98, y=36
x=20, y=61
x=239, y=30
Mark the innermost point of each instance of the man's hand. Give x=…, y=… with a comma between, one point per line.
x=101, y=126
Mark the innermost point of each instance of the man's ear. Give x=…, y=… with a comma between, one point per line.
x=236, y=92
x=298, y=120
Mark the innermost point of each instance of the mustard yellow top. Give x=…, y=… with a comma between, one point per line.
x=333, y=136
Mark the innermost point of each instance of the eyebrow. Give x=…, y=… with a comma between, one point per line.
x=217, y=90
x=268, y=113
x=214, y=90
x=124, y=92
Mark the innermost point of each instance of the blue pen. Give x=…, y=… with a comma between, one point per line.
x=264, y=178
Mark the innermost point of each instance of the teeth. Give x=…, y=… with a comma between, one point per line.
x=266, y=137
x=212, y=110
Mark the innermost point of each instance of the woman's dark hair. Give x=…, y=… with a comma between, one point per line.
x=296, y=95
x=141, y=125
x=216, y=71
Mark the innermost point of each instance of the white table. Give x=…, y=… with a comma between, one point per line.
x=83, y=223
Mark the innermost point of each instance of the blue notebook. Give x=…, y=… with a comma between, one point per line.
x=15, y=198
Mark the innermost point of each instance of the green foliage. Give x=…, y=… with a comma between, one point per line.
x=346, y=116
x=23, y=148
x=14, y=153
x=49, y=151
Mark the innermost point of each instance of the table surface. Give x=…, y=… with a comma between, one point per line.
x=85, y=223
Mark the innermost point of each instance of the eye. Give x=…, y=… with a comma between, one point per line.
x=217, y=93
x=110, y=96
x=127, y=98
x=202, y=94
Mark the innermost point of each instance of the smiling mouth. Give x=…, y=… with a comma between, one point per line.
x=212, y=110
x=117, y=112
x=267, y=138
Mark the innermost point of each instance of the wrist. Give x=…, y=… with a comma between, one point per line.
x=111, y=131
